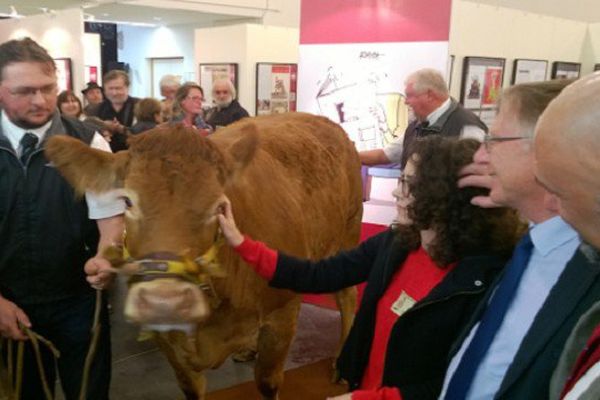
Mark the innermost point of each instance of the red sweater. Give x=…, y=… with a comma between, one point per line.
x=411, y=283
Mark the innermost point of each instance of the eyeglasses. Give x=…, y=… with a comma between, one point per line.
x=489, y=139
x=195, y=98
x=30, y=92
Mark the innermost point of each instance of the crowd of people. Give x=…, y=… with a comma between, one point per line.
x=486, y=286
x=116, y=115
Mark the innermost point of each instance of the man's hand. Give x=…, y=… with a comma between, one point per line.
x=99, y=271
x=232, y=234
x=114, y=126
x=477, y=175
x=10, y=316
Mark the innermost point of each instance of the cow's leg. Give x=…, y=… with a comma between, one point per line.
x=275, y=336
x=181, y=352
x=346, y=303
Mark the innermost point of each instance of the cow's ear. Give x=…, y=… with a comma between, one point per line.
x=85, y=168
x=243, y=150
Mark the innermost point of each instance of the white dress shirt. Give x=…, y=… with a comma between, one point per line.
x=555, y=243
x=393, y=150
x=100, y=205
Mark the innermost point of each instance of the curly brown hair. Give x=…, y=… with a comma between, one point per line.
x=461, y=228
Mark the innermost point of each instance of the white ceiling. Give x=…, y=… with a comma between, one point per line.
x=157, y=12
x=216, y=12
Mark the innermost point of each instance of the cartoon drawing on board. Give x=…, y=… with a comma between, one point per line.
x=365, y=107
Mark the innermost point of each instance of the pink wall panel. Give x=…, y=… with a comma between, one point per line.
x=372, y=21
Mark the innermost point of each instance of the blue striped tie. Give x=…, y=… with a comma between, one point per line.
x=28, y=143
x=461, y=381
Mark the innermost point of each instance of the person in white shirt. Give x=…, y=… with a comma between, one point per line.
x=436, y=113
x=49, y=235
x=558, y=283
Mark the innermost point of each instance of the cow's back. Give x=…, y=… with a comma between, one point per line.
x=301, y=193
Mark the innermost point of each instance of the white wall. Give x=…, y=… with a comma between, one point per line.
x=594, y=43
x=482, y=30
x=91, y=56
x=61, y=34
x=246, y=45
x=139, y=44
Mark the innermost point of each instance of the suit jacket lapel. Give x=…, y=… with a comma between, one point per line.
x=571, y=287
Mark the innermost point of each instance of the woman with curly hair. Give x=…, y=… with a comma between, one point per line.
x=425, y=275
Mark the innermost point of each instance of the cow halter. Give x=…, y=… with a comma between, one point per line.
x=167, y=265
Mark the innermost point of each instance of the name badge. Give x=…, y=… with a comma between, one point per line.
x=402, y=304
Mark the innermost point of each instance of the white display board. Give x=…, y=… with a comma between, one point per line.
x=361, y=85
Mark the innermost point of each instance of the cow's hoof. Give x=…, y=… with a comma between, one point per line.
x=244, y=355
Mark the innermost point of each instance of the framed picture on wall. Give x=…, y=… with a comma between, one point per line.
x=481, y=82
x=525, y=70
x=210, y=73
x=63, y=74
x=91, y=73
x=565, y=70
x=275, y=88
x=596, y=67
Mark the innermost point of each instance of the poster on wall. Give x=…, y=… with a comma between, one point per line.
x=210, y=73
x=91, y=73
x=275, y=88
x=63, y=74
x=481, y=82
x=565, y=70
x=361, y=85
x=529, y=71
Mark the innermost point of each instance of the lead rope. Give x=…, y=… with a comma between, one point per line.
x=14, y=393
x=96, y=327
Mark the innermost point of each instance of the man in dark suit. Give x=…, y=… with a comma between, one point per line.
x=511, y=349
x=567, y=144
x=436, y=113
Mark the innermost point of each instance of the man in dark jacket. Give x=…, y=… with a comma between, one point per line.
x=48, y=234
x=513, y=342
x=567, y=142
x=227, y=109
x=436, y=114
x=117, y=109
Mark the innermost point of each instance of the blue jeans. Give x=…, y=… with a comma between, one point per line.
x=67, y=324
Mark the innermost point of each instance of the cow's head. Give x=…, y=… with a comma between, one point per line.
x=172, y=181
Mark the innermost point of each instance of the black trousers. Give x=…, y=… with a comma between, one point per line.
x=67, y=324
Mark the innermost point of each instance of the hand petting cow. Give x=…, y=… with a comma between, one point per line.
x=294, y=181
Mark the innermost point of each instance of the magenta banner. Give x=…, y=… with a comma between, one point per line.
x=374, y=21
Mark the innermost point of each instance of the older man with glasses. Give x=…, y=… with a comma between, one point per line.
x=516, y=335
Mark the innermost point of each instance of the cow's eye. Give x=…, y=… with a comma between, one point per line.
x=127, y=201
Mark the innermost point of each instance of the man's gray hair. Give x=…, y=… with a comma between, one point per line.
x=170, y=81
x=229, y=86
x=428, y=79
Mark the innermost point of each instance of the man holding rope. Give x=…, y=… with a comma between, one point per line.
x=48, y=233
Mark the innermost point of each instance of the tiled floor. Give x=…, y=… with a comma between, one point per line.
x=140, y=371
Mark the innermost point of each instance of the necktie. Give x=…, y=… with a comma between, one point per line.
x=28, y=143
x=461, y=381
x=421, y=127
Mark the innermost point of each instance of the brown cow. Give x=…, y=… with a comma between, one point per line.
x=294, y=182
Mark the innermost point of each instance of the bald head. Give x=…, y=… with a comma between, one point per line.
x=567, y=145
x=574, y=117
